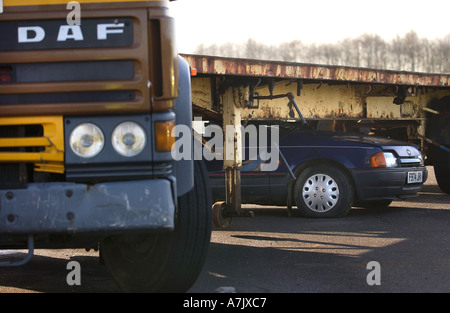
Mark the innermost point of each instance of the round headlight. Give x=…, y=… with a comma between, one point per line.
x=128, y=139
x=86, y=140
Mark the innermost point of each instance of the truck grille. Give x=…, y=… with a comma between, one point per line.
x=32, y=140
x=100, y=173
x=67, y=72
x=12, y=175
x=102, y=66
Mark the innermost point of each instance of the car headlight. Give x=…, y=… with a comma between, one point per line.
x=391, y=160
x=87, y=140
x=422, y=163
x=129, y=139
x=383, y=159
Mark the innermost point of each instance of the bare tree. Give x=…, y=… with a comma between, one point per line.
x=373, y=50
x=291, y=51
x=329, y=53
x=429, y=56
x=443, y=52
x=412, y=49
x=368, y=50
x=396, y=51
x=350, y=50
x=251, y=49
x=200, y=49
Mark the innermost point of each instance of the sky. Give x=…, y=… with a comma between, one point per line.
x=324, y=21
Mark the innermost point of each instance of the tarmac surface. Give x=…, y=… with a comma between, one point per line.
x=404, y=248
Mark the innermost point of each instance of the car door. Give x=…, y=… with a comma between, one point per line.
x=255, y=184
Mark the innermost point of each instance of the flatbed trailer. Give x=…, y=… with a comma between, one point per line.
x=414, y=107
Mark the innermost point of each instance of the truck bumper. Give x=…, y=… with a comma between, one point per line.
x=386, y=183
x=45, y=208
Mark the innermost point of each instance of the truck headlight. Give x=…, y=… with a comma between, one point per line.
x=87, y=140
x=129, y=139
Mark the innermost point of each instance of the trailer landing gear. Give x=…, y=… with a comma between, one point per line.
x=221, y=217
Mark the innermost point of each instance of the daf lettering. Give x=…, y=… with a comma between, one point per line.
x=104, y=29
x=30, y=34
x=34, y=34
x=60, y=34
x=70, y=32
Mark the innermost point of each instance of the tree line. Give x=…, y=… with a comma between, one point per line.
x=403, y=53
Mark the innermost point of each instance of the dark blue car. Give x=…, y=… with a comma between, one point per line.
x=326, y=173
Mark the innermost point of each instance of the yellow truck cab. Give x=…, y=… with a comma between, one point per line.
x=90, y=92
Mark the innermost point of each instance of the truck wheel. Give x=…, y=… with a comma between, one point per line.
x=438, y=129
x=323, y=191
x=442, y=173
x=165, y=262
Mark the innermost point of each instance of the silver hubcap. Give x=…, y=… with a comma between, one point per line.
x=320, y=192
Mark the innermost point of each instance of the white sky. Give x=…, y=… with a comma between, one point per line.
x=276, y=21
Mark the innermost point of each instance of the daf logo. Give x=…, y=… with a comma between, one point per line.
x=104, y=32
x=408, y=151
x=33, y=34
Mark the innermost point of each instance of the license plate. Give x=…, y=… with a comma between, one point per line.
x=415, y=177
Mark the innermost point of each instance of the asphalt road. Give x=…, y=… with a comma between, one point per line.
x=273, y=253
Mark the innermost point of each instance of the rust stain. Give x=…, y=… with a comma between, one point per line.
x=211, y=65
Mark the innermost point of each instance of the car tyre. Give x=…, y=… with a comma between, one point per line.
x=165, y=262
x=323, y=191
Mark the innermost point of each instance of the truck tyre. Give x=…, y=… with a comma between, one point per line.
x=165, y=262
x=323, y=191
x=442, y=173
x=438, y=129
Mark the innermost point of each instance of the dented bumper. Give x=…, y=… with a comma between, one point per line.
x=45, y=208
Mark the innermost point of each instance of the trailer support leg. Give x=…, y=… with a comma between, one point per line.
x=232, y=163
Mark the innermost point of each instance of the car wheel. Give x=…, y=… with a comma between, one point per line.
x=323, y=191
x=165, y=262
